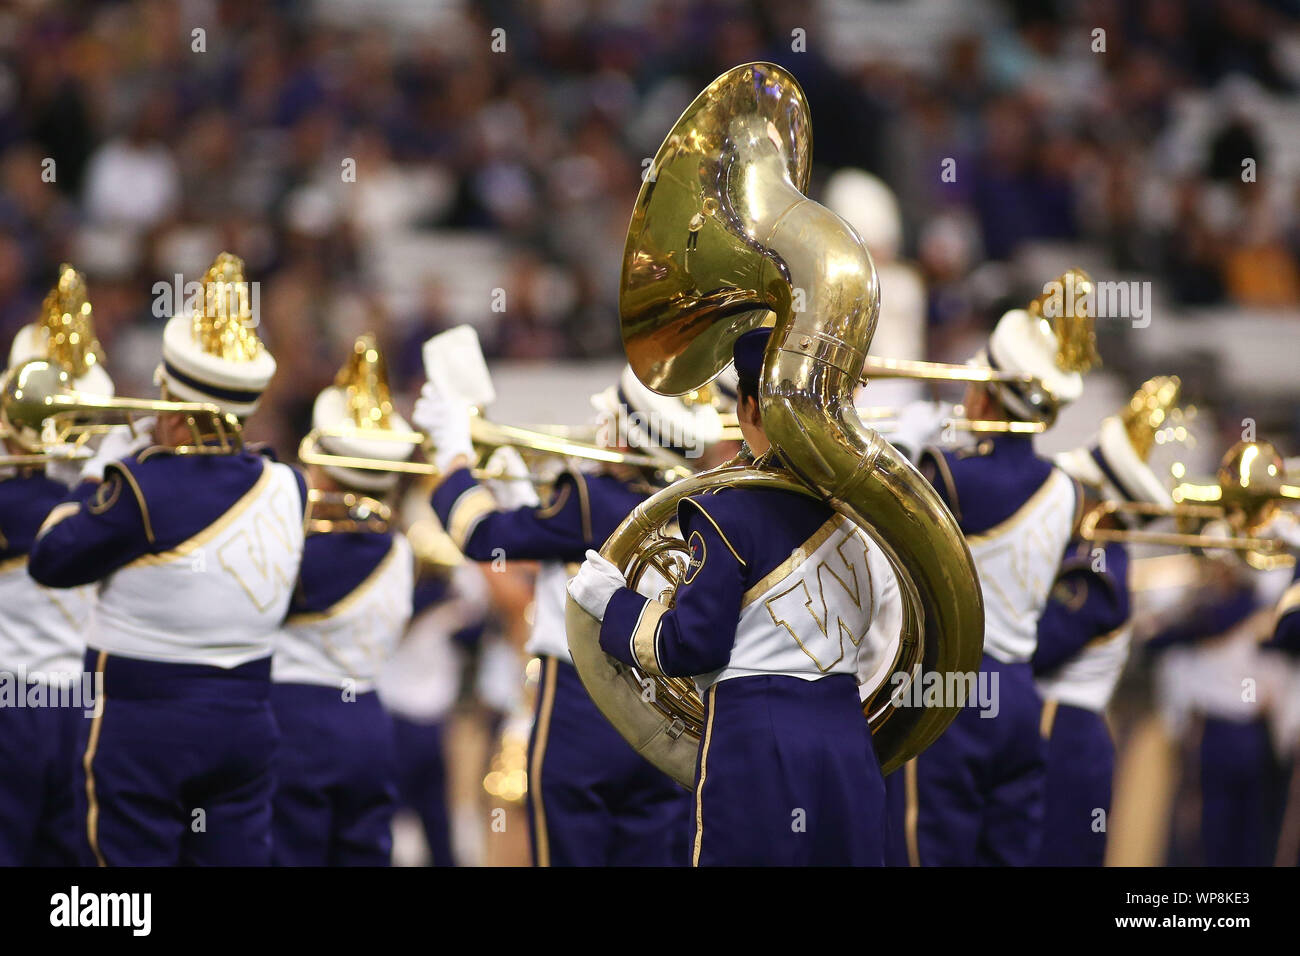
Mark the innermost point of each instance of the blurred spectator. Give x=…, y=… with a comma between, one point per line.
x=380, y=169
x=132, y=179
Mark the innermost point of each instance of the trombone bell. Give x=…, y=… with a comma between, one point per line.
x=37, y=396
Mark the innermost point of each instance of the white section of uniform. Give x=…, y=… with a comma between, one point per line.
x=42, y=630
x=1088, y=679
x=1226, y=677
x=421, y=678
x=809, y=618
x=1017, y=561
x=877, y=653
x=551, y=592
x=217, y=599
x=350, y=640
x=1284, y=720
x=497, y=683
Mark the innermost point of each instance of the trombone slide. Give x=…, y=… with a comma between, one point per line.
x=877, y=367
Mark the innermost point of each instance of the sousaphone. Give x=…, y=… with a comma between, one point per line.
x=722, y=241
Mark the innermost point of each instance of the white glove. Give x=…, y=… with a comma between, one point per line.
x=517, y=491
x=446, y=421
x=595, y=583
x=117, y=444
x=60, y=466
x=1285, y=528
x=1220, y=529
x=918, y=424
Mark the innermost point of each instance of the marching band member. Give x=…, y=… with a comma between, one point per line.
x=1220, y=688
x=786, y=774
x=42, y=631
x=1286, y=629
x=1085, y=630
x=419, y=684
x=975, y=796
x=336, y=777
x=196, y=544
x=1215, y=690
x=592, y=801
x=1283, y=648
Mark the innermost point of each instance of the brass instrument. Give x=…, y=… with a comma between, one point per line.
x=723, y=239
x=1066, y=308
x=879, y=417
x=66, y=329
x=1037, y=395
x=940, y=372
x=364, y=380
x=37, y=395
x=487, y=437
x=346, y=511
x=1248, y=490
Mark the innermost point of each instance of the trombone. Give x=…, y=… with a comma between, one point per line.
x=1035, y=394
x=879, y=415
x=487, y=437
x=37, y=396
x=1248, y=492
x=1260, y=553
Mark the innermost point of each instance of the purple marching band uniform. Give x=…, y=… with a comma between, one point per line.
x=773, y=620
x=42, y=640
x=976, y=795
x=418, y=686
x=1085, y=631
x=592, y=800
x=1285, y=642
x=336, y=779
x=196, y=555
x=1206, y=658
x=44, y=694
x=1083, y=641
x=779, y=597
x=1286, y=632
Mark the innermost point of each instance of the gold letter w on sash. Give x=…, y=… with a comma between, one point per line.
x=843, y=602
x=260, y=555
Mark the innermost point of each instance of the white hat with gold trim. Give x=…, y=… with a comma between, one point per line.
x=1053, y=340
x=213, y=354
x=1115, y=464
x=65, y=334
x=357, y=402
x=680, y=425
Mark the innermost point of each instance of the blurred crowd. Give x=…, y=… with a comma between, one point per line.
x=139, y=137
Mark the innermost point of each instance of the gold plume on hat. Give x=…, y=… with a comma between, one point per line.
x=223, y=322
x=67, y=319
x=1152, y=407
x=1066, y=304
x=364, y=380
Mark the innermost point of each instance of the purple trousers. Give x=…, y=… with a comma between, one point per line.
x=592, y=799
x=787, y=776
x=975, y=797
x=38, y=753
x=336, y=778
x=1080, y=769
x=177, y=767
